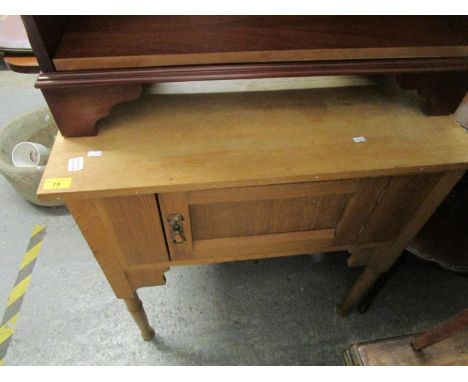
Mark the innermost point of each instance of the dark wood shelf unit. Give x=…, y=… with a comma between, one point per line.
x=106, y=59
x=103, y=42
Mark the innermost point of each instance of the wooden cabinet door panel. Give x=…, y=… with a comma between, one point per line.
x=264, y=217
x=279, y=218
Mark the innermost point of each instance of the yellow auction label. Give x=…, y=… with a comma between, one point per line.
x=57, y=183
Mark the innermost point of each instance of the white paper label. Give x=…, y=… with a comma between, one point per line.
x=94, y=153
x=75, y=164
x=359, y=139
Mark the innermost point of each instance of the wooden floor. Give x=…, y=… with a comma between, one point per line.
x=397, y=351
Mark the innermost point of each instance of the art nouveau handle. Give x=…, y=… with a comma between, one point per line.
x=177, y=228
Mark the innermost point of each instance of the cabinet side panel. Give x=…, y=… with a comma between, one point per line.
x=397, y=205
x=89, y=220
x=426, y=204
x=136, y=224
x=358, y=209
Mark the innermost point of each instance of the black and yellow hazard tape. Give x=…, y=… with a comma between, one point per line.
x=15, y=300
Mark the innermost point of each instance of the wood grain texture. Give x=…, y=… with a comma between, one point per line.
x=360, y=256
x=176, y=143
x=426, y=193
x=122, y=232
x=293, y=248
x=278, y=191
x=271, y=219
x=137, y=226
x=398, y=352
x=145, y=277
x=76, y=110
x=135, y=307
x=20, y=64
x=106, y=252
x=444, y=239
x=260, y=246
x=181, y=48
x=363, y=284
x=358, y=209
x=261, y=217
x=378, y=259
x=100, y=42
x=249, y=71
x=400, y=200
x=386, y=257
x=277, y=218
x=320, y=55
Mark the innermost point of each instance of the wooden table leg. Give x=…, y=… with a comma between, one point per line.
x=135, y=307
x=381, y=259
x=111, y=227
x=365, y=281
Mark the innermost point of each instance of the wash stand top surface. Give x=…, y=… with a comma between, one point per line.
x=166, y=143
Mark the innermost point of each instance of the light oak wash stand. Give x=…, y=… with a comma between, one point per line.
x=196, y=179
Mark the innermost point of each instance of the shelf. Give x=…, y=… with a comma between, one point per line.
x=105, y=42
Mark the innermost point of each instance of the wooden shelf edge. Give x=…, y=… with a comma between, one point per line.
x=51, y=195
x=218, y=58
x=25, y=65
x=248, y=71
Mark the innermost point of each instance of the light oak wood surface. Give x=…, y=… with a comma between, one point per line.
x=135, y=222
x=170, y=143
x=257, y=175
x=248, y=221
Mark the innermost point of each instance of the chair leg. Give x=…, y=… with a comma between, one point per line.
x=441, y=331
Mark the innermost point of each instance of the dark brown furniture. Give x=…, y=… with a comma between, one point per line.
x=90, y=63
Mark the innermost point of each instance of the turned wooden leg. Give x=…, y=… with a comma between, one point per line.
x=365, y=281
x=135, y=307
x=432, y=190
x=360, y=257
x=77, y=109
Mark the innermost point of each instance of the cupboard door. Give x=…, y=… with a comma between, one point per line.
x=267, y=220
